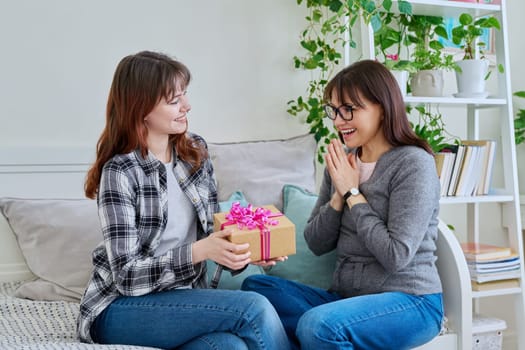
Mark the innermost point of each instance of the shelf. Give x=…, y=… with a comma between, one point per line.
x=495, y=292
x=496, y=196
x=505, y=198
x=449, y=8
x=457, y=101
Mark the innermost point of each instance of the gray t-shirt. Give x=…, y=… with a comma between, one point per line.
x=181, y=227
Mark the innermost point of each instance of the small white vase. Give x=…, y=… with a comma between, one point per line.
x=427, y=83
x=401, y=78
x=471, y=79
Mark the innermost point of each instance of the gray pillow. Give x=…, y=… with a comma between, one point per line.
x=56, y=238
x=260, y=169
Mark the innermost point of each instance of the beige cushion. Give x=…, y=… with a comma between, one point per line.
x=260, y=169
x=56, y=238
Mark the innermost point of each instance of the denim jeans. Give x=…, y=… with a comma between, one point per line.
x=319, y=319
x=192, y=319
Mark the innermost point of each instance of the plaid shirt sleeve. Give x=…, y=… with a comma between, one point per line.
x=212, y=202
x=131, y=220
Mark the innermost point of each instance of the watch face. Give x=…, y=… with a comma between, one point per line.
x=354, y=191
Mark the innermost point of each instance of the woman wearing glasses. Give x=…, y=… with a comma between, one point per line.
x=378, y=207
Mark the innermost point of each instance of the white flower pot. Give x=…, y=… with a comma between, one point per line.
x=401, y=78
x=427, y=83
x=471, y=79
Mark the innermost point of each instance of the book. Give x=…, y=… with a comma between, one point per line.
x=444, y=164
x=496, y=276
x=490, y=167
x=465, y=171
x=458, y=163
x=439, y=159
x=477, y=171
x=483, y=273
x=450, y=158
x=493, y=285
x=485, y=164
x=494, y=264
x=480, y=251
x=468, y=175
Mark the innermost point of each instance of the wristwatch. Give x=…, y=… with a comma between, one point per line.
x=354, y=191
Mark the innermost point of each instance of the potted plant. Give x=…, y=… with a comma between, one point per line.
x=428, y=59
x=472, y=71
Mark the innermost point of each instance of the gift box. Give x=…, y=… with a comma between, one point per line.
x=269, y=233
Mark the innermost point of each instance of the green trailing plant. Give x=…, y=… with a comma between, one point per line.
x=519, y=122
x=328, y=31
x=431, y=127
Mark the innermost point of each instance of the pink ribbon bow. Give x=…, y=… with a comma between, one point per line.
x=247, y=217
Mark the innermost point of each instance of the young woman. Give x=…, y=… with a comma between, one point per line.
x=378, y=207
x=156, y=194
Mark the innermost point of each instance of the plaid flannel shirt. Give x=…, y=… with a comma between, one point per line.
x=132, y=201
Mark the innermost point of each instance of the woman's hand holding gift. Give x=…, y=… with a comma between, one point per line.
x=217, y=248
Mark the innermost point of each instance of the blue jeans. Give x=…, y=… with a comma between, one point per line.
x=192, y=319
x=318, y=319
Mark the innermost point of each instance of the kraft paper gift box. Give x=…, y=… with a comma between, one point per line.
x=276, y=238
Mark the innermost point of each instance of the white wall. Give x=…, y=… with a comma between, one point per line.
x=58, y=58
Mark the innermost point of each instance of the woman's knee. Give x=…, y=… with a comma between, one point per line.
x=314, y=327
x=255, y=302
x=257, y=282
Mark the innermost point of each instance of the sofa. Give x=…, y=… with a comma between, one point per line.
x=48, y=230
x=54, y=237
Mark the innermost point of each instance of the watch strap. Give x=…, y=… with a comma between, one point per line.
x=354, y=191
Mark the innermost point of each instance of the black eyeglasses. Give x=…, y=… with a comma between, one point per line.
x=345, y=111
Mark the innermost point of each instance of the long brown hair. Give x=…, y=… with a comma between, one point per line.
x=139, y=83
x=373, y=81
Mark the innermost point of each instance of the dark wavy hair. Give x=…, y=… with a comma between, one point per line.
x=373, y=81
x=139, y=83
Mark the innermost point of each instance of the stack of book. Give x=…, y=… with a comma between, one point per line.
x=466, y=169
x=491, y=266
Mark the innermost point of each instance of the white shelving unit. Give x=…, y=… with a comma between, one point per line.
x=507, y=199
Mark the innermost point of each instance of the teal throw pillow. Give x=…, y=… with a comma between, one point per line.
x=304, y=266
x=236, y=196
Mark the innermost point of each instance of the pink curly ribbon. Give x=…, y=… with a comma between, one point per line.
x=247, y=217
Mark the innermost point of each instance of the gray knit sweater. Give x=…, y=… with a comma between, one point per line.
x=387, y=244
